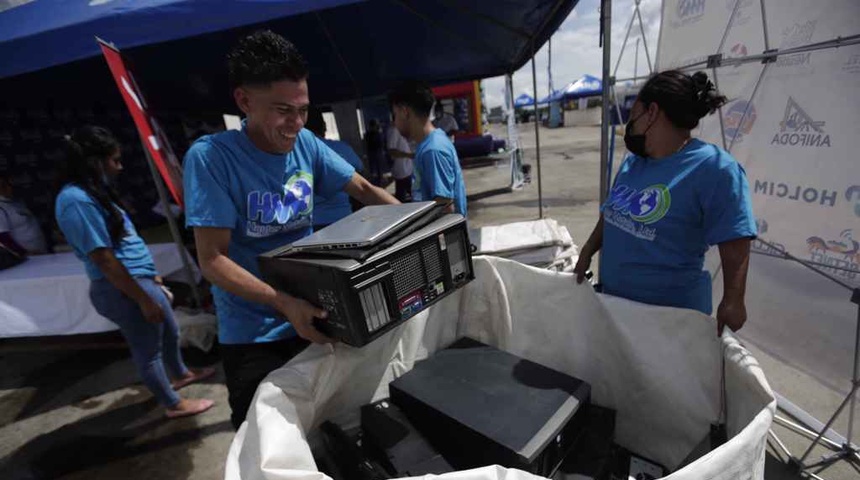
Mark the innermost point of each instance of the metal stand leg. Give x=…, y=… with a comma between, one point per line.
x=848, y=451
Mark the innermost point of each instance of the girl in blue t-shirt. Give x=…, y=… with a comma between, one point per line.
x=125, y=287
x=674, y=197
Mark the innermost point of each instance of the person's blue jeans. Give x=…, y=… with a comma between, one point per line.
x=152, y=345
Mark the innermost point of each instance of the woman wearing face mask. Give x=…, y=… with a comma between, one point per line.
x=124, y=285
x=673, y=198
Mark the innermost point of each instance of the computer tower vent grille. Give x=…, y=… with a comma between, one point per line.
x=432, y=262
x=408, y=273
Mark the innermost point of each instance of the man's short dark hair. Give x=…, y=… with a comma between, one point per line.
x=415, y=95
x=264, y=57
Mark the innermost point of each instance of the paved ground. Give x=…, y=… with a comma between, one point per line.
x=83, y=414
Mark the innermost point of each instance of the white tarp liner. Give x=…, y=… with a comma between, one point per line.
x=658, y=367
x=539, y=243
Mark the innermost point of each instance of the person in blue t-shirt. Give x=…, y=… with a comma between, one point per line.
x=249, y=191
x=125, y=287
x=328, y=210
x=674, y=197
x=437, y=174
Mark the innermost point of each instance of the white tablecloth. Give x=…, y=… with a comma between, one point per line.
x=49, y=294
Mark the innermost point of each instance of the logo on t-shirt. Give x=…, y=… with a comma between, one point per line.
x=273, y=212
x=634, y=210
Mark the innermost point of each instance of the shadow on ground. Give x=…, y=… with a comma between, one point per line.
x=117, y=434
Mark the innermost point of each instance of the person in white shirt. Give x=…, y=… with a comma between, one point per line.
x=19, y=229
x=445, y=121
x=401, y=154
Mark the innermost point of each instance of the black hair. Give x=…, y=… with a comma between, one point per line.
x=315, y=122
x=685, y=99
x=86, y=152
x=415, y=95
x=264, y=57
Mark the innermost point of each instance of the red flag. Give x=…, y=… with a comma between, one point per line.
x=153, y=137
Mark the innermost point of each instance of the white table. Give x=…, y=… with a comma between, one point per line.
x=49, y=294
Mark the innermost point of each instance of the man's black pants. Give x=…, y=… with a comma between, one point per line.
x=246, y=365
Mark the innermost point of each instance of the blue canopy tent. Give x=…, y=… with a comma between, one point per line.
x=355, y=48
x=53, y=76
x=586, y=86
x=524, y=100
x=555, y=96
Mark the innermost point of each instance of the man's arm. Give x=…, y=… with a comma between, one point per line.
x=218, y=268
x=735, y=258
x=118, y=276
x=360, y=189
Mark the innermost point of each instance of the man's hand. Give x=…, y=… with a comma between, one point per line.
x=301, y=315
x=152, y=312
x=582, y=266
x=731, y=313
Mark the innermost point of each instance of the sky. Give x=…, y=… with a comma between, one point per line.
x=575, y=49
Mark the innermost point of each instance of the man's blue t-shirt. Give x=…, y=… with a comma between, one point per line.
x=437, y=172
x=84, y=224
x=267, y=202
x=662, y=216
x=328, y=210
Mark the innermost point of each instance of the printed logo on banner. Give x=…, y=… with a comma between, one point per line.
x=742, y=15
x=688, y=12
x=770, y=247
x=852, y=65
x=796, y=193
x=799, y=129
x=796, y=35
x=738, y=50
x=736, y=124
x=841, y=254
x=852, y=196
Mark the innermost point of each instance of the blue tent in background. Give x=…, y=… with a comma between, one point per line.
x=524, y=100
x=355, y=48
x=586, y=86
x=555, y=96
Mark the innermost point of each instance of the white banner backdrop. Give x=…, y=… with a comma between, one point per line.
x=793, y=125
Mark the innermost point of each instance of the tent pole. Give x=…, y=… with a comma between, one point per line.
x=764, y=24
x=513, y=136
x=606, y=28
x=537, y=134
x=729, y=26
x=624, y=44
x=174, y=229
x=720, y=115
x=644, y=40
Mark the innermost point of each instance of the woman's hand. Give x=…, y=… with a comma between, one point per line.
x=582, y=267
x=731, y=313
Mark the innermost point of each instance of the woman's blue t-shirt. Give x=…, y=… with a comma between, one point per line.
x=663, y=215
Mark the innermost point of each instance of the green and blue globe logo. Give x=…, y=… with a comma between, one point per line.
x=651, y=204
x=299, y=193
